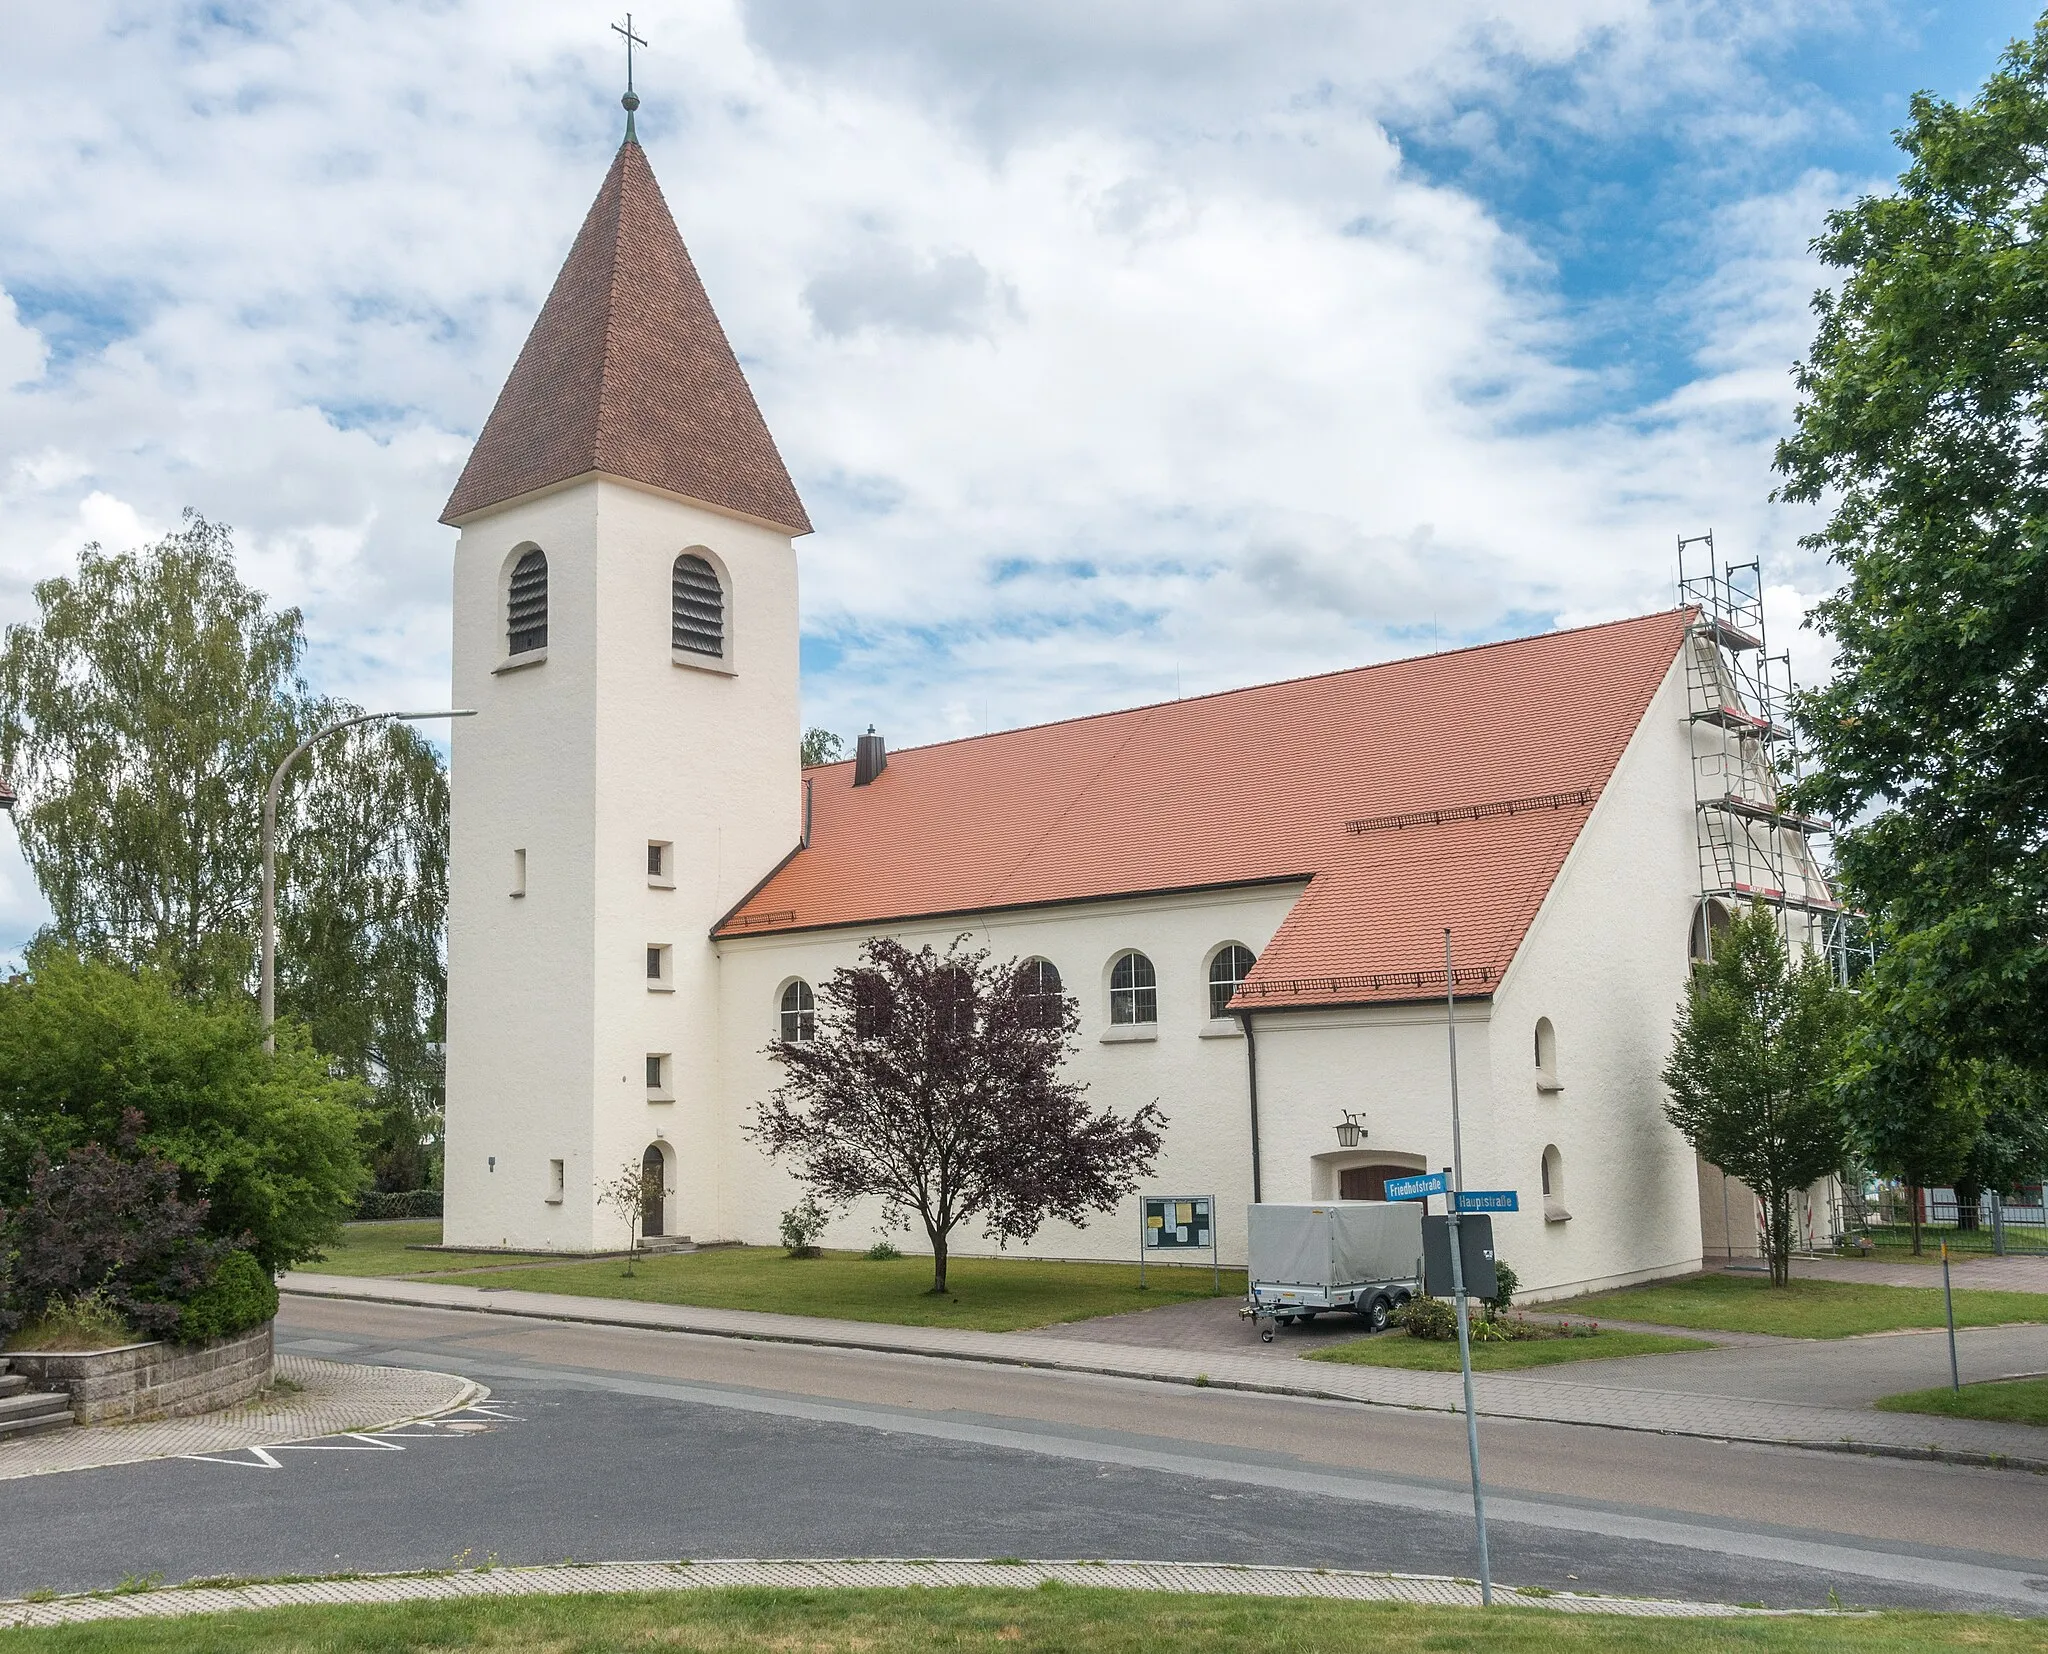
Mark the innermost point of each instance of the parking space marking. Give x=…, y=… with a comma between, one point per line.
x=482, y=1416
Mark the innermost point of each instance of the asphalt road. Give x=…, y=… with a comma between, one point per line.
x=609, y=1443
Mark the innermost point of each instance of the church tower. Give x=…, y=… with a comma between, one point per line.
x=626, y=627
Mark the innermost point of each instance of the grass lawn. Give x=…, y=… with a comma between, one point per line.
x=1397, y=1349
x=987, y=1294
x=2008, y=1401
x=380, y=1249
x=1802, y=1309
x=1070, y=1620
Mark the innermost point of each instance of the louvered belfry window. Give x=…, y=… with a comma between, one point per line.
x=526, y=607
x=699, y=607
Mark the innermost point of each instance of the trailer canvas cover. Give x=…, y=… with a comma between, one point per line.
x=1334, y=1243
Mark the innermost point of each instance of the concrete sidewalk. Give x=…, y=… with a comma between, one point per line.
x=325, y=1398
x=1563, y=1401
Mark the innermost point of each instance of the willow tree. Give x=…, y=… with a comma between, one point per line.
x=141, y=716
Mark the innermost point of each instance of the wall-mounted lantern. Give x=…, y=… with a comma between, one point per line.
x=1349, y=1132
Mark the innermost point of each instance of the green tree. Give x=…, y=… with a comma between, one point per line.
x=142, y=717
x=272, y=1143
x=1753, y=1070
x=1923, y=423
x=821, y=746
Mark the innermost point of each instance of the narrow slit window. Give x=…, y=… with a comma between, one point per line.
x=526, y=607
x=698, y=607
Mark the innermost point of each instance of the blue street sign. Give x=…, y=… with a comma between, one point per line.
x=1415, y=1188
x=1488, y=1200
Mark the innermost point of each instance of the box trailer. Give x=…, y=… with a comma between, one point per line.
x=1363, y=1256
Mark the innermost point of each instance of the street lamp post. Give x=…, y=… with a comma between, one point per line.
x=268, y=995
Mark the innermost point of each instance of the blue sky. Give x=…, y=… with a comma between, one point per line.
x=1118, y=352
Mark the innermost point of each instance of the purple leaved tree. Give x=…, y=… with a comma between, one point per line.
x=933, y=1083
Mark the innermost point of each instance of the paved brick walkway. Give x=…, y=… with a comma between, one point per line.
x=1499, y=1395
x=331, y=1398
x=619, y=1577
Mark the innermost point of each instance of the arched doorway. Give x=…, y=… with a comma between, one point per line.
x=1368, y=1182
x=653, y=1191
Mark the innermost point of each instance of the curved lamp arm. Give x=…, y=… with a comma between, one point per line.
x=268, y=922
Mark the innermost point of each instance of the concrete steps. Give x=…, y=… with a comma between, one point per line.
x=26, y=1412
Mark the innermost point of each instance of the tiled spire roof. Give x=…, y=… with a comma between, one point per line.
x=627, y=372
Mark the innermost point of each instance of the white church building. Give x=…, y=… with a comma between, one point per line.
x=1246, y=892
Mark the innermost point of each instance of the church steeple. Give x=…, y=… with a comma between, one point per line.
x=627, y=373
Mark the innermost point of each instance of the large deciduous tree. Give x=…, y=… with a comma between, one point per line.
x=142, y=716
x=934, y=1084
x=1754, y=1067
x=1923, y=424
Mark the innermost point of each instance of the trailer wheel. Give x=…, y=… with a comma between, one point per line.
x=1376, y=1315
x=1266, y=1337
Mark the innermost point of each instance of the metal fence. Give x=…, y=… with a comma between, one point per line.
x=2000, y=1224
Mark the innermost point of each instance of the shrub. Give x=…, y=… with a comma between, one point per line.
x=381, y=1205
x=1505, y=1282
x=1433, y=1318
x=882, y=1252
x=114, y=1225
x=241, y=1295
x=271, y=1143
x=803, y=1227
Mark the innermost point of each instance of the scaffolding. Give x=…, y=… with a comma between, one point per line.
x=1752, y=847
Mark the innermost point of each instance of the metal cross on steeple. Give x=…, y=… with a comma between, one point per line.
x=631, y=100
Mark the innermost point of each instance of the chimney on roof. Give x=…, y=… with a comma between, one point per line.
x=870, y=757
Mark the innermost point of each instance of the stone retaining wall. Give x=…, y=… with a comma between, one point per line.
x=154, y=1380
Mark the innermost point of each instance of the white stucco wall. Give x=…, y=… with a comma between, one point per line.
x=582, y=760
x=1195, y=1070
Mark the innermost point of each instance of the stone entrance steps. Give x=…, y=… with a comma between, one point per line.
x=26, y=1412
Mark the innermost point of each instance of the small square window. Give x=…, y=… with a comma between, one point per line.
x=659, y=1071
x=660, y=959
x=661, y=864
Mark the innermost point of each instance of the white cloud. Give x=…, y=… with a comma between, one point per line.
x=1116, y=348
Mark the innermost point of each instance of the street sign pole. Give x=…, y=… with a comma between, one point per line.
x=1458, y=1279
x=1215, y=1255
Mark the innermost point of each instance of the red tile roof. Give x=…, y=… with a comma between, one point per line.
x=1512, y=742
x=627, y=372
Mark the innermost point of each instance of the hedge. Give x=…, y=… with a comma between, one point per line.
x=241, y=1295
x=379, y=1205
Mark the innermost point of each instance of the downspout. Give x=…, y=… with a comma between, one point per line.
x=1251, y=1054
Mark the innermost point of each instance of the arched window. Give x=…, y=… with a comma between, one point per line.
x=1546, y=1056
x=526, y=604
x=698, y=611
x=1043, y=996
x=1709, y=925
x=1133, y=990
x=1231, y=966
x=1553, y=1186
x=799, y=1014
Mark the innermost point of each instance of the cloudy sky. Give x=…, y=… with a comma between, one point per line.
x=1119, y=349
